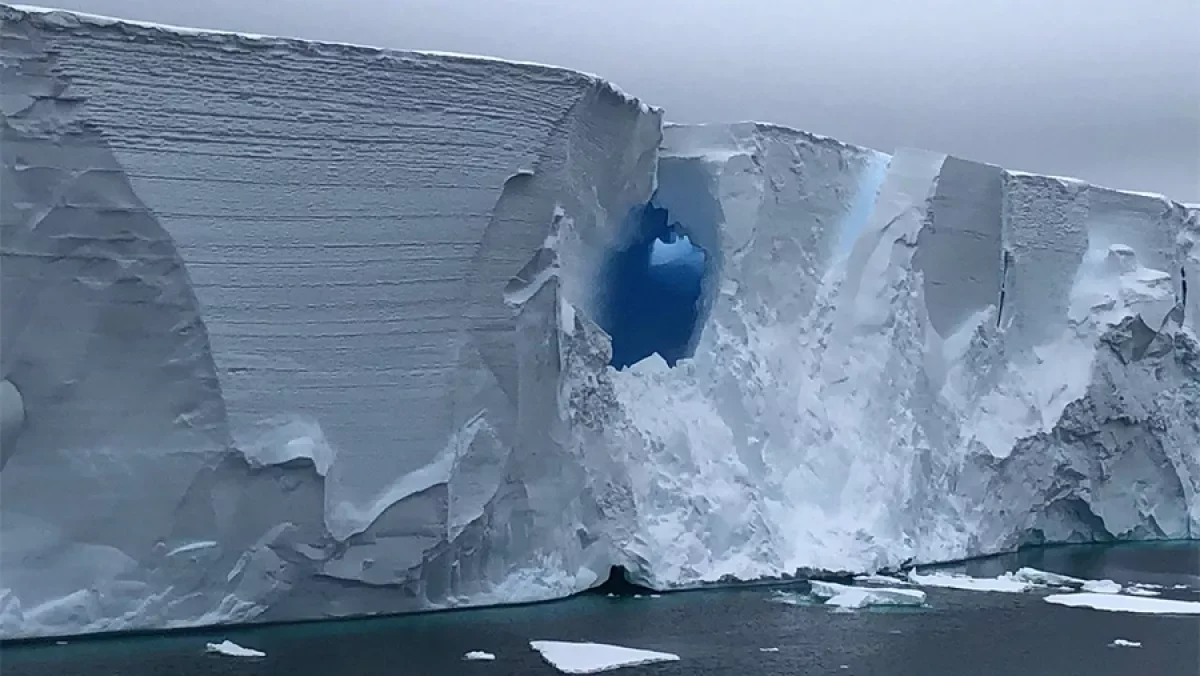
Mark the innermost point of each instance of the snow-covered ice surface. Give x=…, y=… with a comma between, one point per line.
x=232, y=649
x=1125, y=643
x=323, y=320
x=1006, y=583
x=593, y=658
x=1125, y=604
x=479, y=656
x=1023, y=580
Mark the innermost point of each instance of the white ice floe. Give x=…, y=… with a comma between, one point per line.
x=479, y=656
x=232, y=649
x=768, y=650
x=1004, y=583
x=1122, y=643
x=1046, y=579
x=1023, y=580
x=592, y=658
x=1101, y=587
x=1141, y=590
x=1125, y=604
x=845, y=596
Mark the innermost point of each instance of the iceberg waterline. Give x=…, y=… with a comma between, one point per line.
x=307, y=330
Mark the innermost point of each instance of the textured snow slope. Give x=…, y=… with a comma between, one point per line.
x=299, y=330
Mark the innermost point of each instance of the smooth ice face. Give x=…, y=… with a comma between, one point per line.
x=284, y=319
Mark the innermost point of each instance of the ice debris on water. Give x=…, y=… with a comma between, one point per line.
x=1119, y=603
x=232, y=649
x=1102, y=587
x=1022, y=580
x=845, y=596
x=592, y=658
x=885, y=580
x=1004, y=583
x=1123, y=643
x=479, y=656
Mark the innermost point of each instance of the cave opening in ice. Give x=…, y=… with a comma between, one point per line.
x=652, y=290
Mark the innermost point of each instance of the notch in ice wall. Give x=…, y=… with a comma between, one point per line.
x=336, y=399
x=653, y=290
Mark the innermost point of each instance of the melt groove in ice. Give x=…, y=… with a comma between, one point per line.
x=297, y=330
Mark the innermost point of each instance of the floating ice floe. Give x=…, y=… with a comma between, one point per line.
x=845, y=596
x=232, y=649
x=1125, y=604
x=593, y=658
x=1122, y=643
x=768, y=650
x=1102, y=587
x=1047, y=579
x=1023, y=580
x=479, y=656
x=1004, y=583
x=1141, y=590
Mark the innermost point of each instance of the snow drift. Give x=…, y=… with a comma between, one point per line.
x=297, y=330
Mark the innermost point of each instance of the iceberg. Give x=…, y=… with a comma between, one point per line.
x=295, y=330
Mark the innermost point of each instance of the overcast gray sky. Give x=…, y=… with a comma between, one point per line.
x=1107, y=90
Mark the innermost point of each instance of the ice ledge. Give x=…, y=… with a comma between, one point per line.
x=70, y=19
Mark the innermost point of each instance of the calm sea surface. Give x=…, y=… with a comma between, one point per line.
x=713, y=632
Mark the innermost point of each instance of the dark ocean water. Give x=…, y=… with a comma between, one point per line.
x=714, y=632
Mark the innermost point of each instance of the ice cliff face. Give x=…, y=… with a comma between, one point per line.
x=985, y=359
x=297, y=330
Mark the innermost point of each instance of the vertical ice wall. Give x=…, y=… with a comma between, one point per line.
x=281, y=323
x=991, y=358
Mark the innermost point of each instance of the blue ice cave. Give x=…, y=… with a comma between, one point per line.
x=652, y=291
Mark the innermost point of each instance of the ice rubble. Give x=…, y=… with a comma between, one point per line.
x=846, y=596
x=323, y=322
x=1022, y=580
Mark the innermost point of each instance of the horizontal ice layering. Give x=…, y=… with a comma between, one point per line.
x=298, y=330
